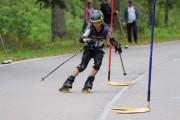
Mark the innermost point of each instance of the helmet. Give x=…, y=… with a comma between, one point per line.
x=96, y=16
x=89, y=1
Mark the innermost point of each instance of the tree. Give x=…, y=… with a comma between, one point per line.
x=58, y=18
x=116, y=22
x=150, y=12
x=166, y=12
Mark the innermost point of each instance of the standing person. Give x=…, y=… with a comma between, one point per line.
x=130, y=16
x=95, y=36
x=106, y=10
x=87, y=13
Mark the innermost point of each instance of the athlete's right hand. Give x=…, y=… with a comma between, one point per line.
x=90, y=42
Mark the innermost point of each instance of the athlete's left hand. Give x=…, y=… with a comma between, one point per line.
x=118, y=48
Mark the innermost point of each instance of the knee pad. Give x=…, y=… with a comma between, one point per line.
x=97, y=65
x=81, y=68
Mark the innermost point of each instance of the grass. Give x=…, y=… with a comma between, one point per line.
x=46, y=48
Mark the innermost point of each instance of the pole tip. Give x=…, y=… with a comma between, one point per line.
x=42, y=79
x=125, y=74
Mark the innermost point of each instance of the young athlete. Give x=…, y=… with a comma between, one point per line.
x=95, y=36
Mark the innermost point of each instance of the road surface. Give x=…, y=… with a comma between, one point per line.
x=24, y=97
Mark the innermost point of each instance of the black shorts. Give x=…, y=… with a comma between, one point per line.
x=92, y=53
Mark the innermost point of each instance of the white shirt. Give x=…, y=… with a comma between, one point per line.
x=131, y=14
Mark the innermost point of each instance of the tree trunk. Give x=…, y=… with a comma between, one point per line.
x=116, y=22
x=150, y=12
x=166, y=12
x=58, y=22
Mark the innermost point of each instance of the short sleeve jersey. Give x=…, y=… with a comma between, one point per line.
x=98, y=37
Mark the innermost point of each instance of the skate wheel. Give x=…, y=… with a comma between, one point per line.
x=65, y=90
x=86, y=90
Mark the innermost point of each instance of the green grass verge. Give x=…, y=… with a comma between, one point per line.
x=46, y=49
x=42, y=49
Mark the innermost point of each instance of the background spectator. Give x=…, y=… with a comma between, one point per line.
x=106, y=10
x=87, y=13
x=131, y=14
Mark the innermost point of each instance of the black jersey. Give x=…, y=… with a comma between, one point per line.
x=98, y=37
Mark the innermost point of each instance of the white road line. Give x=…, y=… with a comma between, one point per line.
x=174, y=98
x=176, y=60
x=109, y=106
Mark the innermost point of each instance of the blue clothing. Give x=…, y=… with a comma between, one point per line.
x=132, y=26
x=125, y=15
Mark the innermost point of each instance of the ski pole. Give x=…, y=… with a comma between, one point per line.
x=62, y=64
x=121, y=28
x=4, y=47
x=122, y=65
x=5, y=52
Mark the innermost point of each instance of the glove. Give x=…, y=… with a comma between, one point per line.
x=118, y=48
x=81, y=40
x=90, y=42
x=113, y=42
x=116, y=45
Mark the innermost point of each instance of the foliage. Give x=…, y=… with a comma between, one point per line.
x=50, y=3
x=74, y=19
x=24, y=27
x=75, y=8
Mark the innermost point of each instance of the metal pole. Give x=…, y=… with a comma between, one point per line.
x=110, y=48
x=122, y=65
x=151, y=52
x=3, y=47
x=6, y=56
x=61, y=64
x=121, y=28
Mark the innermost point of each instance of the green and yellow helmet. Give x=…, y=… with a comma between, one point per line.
x=96, y=16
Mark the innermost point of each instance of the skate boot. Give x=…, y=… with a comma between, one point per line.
x=88, y=84
x=67, y=86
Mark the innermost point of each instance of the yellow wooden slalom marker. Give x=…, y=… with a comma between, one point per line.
x=133, y=110
x=126, y=110
x=120, y=83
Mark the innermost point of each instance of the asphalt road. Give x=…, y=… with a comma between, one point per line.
x=24, y=97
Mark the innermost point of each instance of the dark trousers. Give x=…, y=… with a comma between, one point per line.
x=132, y=27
